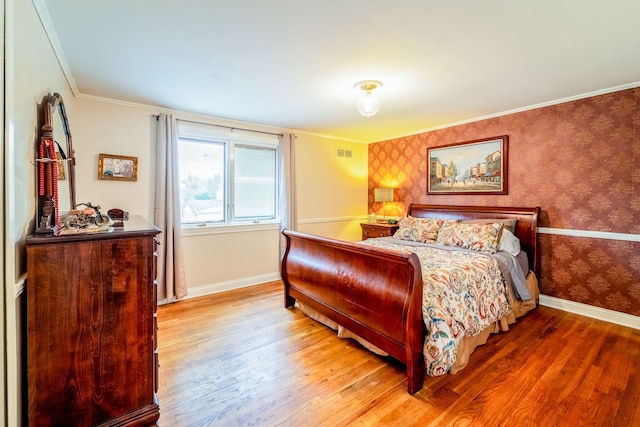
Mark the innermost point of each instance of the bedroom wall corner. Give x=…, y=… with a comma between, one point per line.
x=331, y=186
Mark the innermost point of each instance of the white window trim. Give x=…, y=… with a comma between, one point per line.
x=188, y=129
x=220, y=228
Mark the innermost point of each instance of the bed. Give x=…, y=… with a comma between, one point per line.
x=374, y=293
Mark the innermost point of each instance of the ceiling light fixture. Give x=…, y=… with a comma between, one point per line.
x=368, y=103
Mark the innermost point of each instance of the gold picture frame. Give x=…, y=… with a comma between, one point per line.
x=117, y=168
x=471, y=167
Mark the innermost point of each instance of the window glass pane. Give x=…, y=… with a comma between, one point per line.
x=202, y=171
x=254, y=183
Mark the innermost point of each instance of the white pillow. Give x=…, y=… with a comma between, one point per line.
x=509, y=243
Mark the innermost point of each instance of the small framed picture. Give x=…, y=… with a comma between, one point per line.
x=119, y=168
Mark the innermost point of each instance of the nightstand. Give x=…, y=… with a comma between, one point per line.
x=377, y=229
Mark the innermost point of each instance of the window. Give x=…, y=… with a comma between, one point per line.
x=254, y=183
x=226, y=177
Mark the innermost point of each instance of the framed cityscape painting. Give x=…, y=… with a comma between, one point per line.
x=470, y=167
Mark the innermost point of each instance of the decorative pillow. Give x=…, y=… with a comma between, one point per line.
x=478, y=237
x=407, y=229
x=423, y=230
x=509, y=242
x=427, y=229
x=507, y=223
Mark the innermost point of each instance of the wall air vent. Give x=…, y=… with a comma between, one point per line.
x=344, y=152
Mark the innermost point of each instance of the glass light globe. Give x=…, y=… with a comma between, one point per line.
x=368, y=104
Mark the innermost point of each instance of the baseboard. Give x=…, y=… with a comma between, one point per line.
x=611, y=316
x=215, y=288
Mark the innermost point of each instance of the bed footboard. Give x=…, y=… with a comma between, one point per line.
x=374, y=293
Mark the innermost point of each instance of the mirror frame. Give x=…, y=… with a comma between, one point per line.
x=48, y=215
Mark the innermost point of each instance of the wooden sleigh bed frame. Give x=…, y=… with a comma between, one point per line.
x=377, y=293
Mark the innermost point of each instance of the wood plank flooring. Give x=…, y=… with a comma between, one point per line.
x=240, y=358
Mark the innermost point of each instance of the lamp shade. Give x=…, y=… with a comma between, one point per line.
x=383, y=194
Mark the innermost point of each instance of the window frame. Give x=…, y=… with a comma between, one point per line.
x=234, y=179
x=232, y=138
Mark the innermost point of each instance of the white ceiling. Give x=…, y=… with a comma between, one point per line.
x=293, y=63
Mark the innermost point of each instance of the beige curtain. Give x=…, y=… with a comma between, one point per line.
x=172, y=283
x=288, y=212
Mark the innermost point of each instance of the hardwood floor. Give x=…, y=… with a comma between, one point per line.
x=240, y=358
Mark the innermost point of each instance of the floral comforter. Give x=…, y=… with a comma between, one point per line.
x=464, y=292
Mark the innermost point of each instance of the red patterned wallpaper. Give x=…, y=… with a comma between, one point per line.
x=579, y=161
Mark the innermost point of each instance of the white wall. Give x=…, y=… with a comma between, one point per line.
x=3, y=333
x=32, y=71
x=121, y=129
x=331, y=191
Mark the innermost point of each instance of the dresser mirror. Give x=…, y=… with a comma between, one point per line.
x=55, y=163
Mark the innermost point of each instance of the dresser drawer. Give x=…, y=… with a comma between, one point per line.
x=377, y=230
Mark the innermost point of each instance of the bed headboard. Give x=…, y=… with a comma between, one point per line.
x=526, y=228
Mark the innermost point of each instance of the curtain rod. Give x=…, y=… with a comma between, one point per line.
x=157, y=116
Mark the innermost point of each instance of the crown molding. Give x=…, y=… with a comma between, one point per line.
x=47, y=24
x=527, y=108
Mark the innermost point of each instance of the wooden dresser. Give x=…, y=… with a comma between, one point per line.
x=91, y=324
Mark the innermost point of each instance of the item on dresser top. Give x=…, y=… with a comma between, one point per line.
x=82, y=218
x=117, y=213
x=86, y=220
